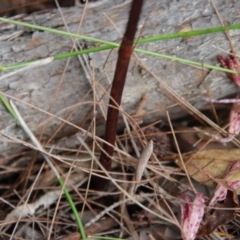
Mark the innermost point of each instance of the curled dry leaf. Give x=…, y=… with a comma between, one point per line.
x=207, y=167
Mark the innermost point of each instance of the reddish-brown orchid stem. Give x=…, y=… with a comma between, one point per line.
x=124, y=54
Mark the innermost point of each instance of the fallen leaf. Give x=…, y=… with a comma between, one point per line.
x=207, y=167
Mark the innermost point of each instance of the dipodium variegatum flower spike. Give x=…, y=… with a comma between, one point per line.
x=234, y=119
x=230, y=63
x=191, y=216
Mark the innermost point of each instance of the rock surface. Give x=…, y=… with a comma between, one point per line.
x=64, y=89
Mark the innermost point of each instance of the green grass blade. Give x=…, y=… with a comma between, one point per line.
x=110, y=45
x=142, y=40
x=107, y=47
x=59, y=32
x=8, y=106
x=185, y=61
x=57, y=57
x=74, y=209
x=188, y=34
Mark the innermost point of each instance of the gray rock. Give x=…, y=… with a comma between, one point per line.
x=62, y=88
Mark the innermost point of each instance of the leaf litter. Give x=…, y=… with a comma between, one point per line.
x=154, y=188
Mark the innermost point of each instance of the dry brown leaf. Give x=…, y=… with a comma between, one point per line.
x=224, y=213
x=212, y=163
